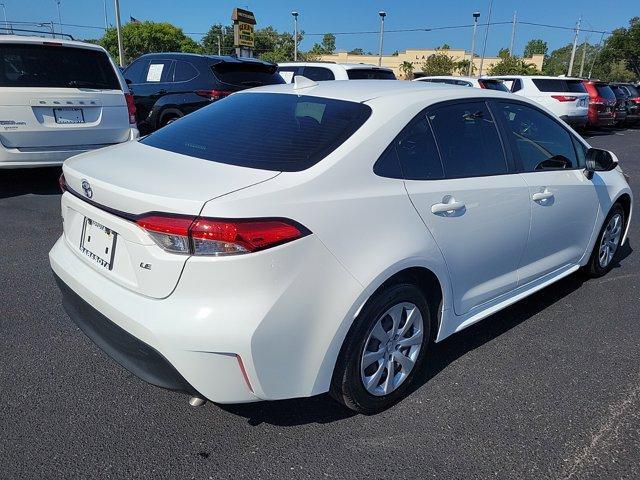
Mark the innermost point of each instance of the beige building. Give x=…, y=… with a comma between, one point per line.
x=417, y=58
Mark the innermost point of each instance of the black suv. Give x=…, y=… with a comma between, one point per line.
x=167, y=86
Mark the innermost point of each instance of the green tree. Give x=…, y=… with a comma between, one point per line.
x=624, y=46
x=327, y=47
x=223, y=33
x=503, y=53
x=535, y=46
x=356, y=51
x=557, y=62
x=462, y=67
x=273, y=46
x=438, y=64
x=145, y=37
x=407, y=69
x=513, y=66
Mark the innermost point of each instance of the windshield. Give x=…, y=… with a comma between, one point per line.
x=55, y=66
x=605, y=91
x=370, y=74
x=269, y=131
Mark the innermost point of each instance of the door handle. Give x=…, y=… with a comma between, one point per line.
x=541, y=196
x=447, y=207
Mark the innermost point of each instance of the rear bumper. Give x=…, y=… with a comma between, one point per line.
x=575, y=120
x=34, y=157
x=133, y=354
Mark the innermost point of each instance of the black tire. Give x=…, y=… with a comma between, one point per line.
x=594, y=269
x=168, y=119
x=347, y=386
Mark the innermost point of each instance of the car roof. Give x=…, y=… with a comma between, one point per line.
x=196, y=56
x=23, y=39
x=534, y=77
x=346, y=66
x=449, y=77
x=365, y=90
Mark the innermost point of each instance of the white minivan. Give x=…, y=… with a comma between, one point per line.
x=59, y=98
x=565, y=97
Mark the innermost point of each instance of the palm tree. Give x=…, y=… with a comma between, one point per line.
x=407, y=69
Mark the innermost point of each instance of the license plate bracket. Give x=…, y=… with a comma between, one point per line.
x=68, y=116
x=98, y=243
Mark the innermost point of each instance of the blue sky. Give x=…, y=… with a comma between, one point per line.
x=317, y=16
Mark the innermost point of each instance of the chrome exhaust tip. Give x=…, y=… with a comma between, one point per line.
x=197, y=401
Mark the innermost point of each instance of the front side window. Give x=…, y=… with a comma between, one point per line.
x=158, y=71
x=268, y=131
x=133, y=73
x=493, y=85
x=318, y=74
x=468, y=140
x=370, y=74
x=540, y=142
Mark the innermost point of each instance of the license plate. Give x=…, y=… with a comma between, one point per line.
x=98, y=243
x=582, y=102
x=68, y=115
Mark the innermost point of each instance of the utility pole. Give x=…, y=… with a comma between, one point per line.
x=486, y=34
x=476, y=15
x=6, y=25
x=119, y=32
x=595, y=55
x=513, y=33
x=382, y=15
x=295, y=35
x=584, y=56
x=59, y=17
x=573, y=49
x=219, y=50
x=106, y=20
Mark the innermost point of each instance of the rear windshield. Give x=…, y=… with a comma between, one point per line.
x=493, y=85
x=269, y=131
x=247, y=74
x=605, y=91
x=559, y=85
x=370, y=74
x=55, y=66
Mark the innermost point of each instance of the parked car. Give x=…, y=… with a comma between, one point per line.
x=621, y=108
x=59, y=98
x=345, y=226
x=168, y=86
x=633, y=100
x=321, y=71
x=490, y=83
x=602, y=104
x=565, y=97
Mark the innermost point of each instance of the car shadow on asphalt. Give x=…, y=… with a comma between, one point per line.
x=322, y=409
x=37, y=181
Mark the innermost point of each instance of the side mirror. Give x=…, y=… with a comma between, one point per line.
x=599, y=160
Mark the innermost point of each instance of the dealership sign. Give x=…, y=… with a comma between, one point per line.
x=243, y=28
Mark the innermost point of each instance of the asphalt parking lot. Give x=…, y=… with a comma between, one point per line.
x=549, y=388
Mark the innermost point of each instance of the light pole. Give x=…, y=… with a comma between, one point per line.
x=59, y=17
x=295, y=35
x=382, y=15
x=4, y=9
x=486, y=34
x=476, y=15
x=106, y=20
x=119, y=32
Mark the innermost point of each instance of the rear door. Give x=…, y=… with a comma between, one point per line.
x=154, y=81
x=563, y=200
x=54, y=95
x=466, y=191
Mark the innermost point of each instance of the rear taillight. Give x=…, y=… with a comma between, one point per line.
x=131, y=107
x=217, y=237
x=62, y=183
x=213, y=94
x=564, y=98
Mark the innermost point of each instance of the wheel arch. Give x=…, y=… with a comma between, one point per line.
x=625, y=200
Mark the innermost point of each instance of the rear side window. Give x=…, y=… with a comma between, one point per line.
x=55, y=66
x=184, y=71
x=318, y=74
x=246, y=74
x=468, y=140
x=493, y=85
x=559, y=85
x=417, y=152
x=370, y=74
x=540, y=142
x=269, y=131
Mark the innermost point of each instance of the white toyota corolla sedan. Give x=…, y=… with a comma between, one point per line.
x=296, y=239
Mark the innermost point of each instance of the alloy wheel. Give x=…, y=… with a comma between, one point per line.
x=610, y=240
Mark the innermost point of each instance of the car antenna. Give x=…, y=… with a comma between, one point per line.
x=300, y=82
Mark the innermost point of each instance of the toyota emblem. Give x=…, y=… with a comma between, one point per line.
x=86, y=187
